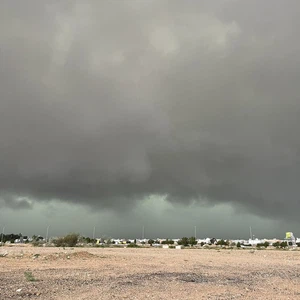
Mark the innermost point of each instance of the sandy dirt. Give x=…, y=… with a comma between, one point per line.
x=126, y=273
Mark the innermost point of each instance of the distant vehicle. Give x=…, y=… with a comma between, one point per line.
x=246, y=245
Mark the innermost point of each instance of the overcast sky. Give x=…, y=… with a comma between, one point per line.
x=167, y=114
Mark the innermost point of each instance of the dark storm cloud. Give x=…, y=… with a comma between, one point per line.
x=14, y=202
x=104, y=104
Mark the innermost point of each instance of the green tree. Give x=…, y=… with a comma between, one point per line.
x=222, y=243
x=150, y=242
x=184, y=241
x=168, y=242
x=192, y=241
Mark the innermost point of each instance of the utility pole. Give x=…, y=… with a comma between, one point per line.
x=94, y=232
x=2, y=235
x=47, y=233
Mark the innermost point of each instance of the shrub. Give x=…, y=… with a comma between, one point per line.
x=283, y=244
x=37, y=243
x=29, y=277
x=132, y=245
x=184, y=241
x=69, y=240
x=223, y=243
x=168, y=242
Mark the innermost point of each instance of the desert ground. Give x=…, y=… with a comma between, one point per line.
x=148, y=273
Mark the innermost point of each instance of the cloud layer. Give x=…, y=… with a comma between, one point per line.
x=105, y=104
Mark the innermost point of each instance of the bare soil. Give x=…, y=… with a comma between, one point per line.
x=148, y=273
